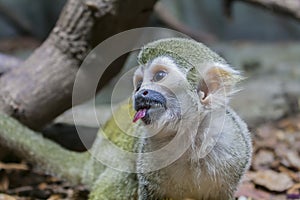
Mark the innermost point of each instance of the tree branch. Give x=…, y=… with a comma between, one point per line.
x=41, y=89
x=165, y=15
x=8, y=63
x=290, y=8
x=78, y=168
x=47, y=154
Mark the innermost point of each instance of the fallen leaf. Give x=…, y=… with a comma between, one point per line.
x=265, y=131
x=13, y=166
x=297, y=144
x=6, y=197
x=295, y=189
x=293, y=159
x=275, y=164
x=263, y=159
x=4, y=183
x=266, y=143
x=290, y=125
x=272, y=180
x=281, y=150
x=285, y=162
x=248, y=190
x=280, y=135
x=294, y=175
x=55, y=197
x=279, y=197
x=43, y=186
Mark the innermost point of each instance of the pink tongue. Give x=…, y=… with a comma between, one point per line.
x=139, y=114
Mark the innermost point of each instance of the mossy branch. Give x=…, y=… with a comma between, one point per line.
x=112, y=185
x=77, y=168
x=48, y=155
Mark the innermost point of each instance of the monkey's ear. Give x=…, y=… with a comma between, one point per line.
x=217, y=84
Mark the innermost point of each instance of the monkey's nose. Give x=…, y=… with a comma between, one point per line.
x=144, y=92
x=149, y=95
x=146, y=98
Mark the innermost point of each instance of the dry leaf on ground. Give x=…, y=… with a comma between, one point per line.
x=274, y=181
x=6, y=197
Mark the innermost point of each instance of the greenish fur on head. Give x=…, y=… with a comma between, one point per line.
x=187, y=53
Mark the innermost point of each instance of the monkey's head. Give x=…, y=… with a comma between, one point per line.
x=178, y=77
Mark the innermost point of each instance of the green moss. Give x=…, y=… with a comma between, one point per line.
x=78, y=168
x=118, y=128
x=115, y=185
x=47, y=154
x=180, y=49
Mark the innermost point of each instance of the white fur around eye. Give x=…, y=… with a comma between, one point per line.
x=165, y=63
x=138, y=84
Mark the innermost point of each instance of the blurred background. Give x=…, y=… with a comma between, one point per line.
x=35, y=18
x=261, y=43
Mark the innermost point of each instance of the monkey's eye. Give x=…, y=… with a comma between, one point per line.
x=159, y=75
x=139, y=84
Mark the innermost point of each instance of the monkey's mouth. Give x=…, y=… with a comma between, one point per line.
x=149, y=105
x=147, y=110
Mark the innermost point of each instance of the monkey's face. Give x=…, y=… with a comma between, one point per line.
x=158, y=87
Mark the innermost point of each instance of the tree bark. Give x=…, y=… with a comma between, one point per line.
x=290, y=8
x=46, y=154
x=41, y=88
x=8, y=63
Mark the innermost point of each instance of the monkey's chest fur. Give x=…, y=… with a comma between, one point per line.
x=214, y=176
x=183, y=179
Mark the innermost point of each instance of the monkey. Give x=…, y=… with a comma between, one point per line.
x=190, y=143
x=181, y=98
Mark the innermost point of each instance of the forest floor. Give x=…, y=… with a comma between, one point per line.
x=274, y=173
